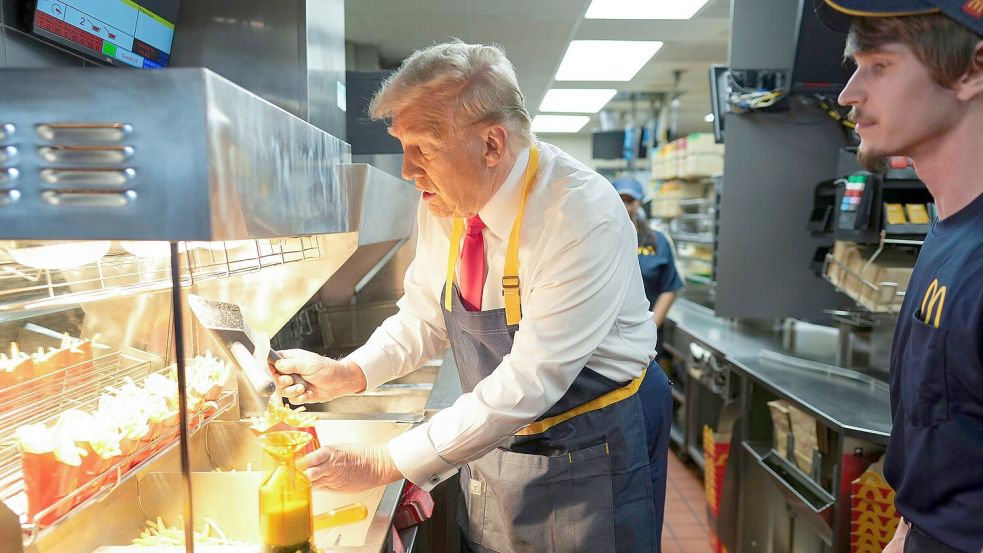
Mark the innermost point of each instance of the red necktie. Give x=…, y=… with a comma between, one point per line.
x=472, y=278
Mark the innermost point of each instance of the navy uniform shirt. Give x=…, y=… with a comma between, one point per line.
x=935, y=454
x=657, y=263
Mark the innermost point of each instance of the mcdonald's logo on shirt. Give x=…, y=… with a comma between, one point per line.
x=933, y=303
x=646, y=250
x=973, y=8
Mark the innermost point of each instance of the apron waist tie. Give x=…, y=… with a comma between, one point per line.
x=600, y=402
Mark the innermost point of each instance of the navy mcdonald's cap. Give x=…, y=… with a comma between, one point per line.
x=836, y=14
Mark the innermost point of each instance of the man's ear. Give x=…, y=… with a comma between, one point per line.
x=495, y=139
x=970, y=85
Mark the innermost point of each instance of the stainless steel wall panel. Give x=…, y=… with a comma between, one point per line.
x=762, y=34
x=772, y=164
x=290, y=53
x=211, y=160
x=272, y=172
x=764, y=250
x=386, y=205
x=325, y=54
x=253, y=43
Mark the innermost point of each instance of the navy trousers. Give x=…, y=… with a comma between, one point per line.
x=655, y=394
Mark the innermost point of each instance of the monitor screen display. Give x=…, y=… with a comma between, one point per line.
x=818, y=66
x=608, y=144
x=134, y=33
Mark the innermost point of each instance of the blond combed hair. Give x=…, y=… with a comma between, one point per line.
x=474, y=83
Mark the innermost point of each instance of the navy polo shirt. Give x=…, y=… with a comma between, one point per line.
x=658, y=265
x=935, y=454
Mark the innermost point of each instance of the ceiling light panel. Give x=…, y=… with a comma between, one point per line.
x=653, y=9
x=576, y=100
x=559, y=123
x=605, y=60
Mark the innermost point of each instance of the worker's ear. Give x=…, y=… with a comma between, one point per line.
x=494, y=138
x=970, y=85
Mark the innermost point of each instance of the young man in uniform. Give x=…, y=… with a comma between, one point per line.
x=918, y=92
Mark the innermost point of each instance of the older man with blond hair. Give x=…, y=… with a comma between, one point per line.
x=525, y=266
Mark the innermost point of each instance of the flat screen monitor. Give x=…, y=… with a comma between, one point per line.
x=608, y=144
x=131, y=33
x=818, y=66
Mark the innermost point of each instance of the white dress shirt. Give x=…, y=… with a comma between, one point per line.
x=583, y=304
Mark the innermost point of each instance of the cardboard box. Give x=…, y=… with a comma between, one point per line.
x=700, y=143
x=841, y=252
x=890, y=272
x=873, y=519
x=788, y=419
x=703, y=165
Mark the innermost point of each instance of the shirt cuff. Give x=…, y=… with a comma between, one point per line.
x=372, y=360
x=417, y=460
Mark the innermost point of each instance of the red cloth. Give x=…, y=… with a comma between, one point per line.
x=415, y=506
x=473, y=264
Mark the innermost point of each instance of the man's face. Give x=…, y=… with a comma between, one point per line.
x=899, y=109
x=448, y=168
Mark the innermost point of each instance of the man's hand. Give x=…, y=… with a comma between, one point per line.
x=350, y=468
x=896, y=545
x=326, y=378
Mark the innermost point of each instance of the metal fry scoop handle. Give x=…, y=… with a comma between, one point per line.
x=225, y=320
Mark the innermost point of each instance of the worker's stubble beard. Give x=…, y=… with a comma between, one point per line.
x=871, y=160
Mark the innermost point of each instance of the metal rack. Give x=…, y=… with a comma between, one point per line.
x=79, y=386
x=121, y=273
x=884, y=292
x=881, y=290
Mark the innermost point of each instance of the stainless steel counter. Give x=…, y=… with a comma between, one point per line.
x=847, y=401
x=800, y=370
x=740, y=339
x=446, y=387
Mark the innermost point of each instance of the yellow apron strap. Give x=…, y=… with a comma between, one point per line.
x=610, y=398
x=510, y=276
x=456, y=232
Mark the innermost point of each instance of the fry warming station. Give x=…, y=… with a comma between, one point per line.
x=168, y=183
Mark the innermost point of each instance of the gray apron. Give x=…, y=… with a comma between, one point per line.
x=583, y=485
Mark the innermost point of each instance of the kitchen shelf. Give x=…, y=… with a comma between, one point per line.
x=696, y=216
x=678, y=395
x=795, y=484
x=79, y=386
x=699, y=279
x=696, y=202
x=696, y=454
x=903, y=242
x=695, y=238
x=120, y=273
x=676, y=435
x=880, y=289
x=694, y=258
